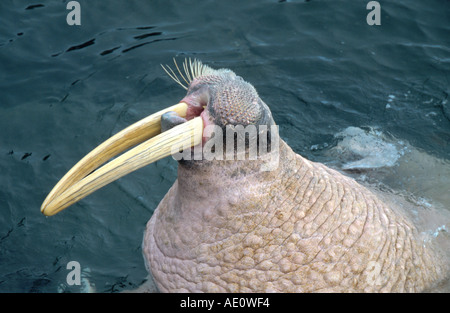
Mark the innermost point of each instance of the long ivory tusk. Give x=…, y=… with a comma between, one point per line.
x=75, y=185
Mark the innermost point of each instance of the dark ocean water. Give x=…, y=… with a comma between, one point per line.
x=64, y=89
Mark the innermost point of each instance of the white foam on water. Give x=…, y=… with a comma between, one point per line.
x=86, y=285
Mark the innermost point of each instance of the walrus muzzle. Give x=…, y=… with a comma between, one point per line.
x=149, y=144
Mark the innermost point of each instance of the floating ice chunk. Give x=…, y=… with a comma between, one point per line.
x=371, y=149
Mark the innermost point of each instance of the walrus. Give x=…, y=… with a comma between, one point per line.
x=233, y=224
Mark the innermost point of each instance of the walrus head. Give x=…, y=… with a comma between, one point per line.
x=216, y=99
x=230, y=108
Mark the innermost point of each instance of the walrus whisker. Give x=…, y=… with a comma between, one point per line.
x=187, y=70
x=199, y=69
x=195, y=67
x=187, y=80
x=192, y=70
x=173, y=76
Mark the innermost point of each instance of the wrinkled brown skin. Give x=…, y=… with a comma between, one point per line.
x=226, y=226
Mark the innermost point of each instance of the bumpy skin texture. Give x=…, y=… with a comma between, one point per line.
x=226, y=226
